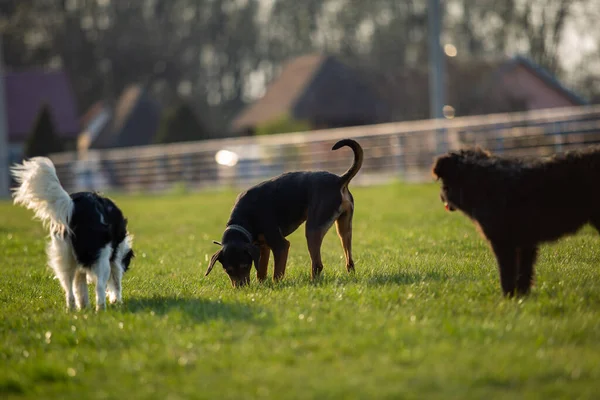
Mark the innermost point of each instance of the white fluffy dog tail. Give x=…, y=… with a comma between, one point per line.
x=40, y=190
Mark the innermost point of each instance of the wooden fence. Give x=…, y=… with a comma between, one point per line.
x=402, y=151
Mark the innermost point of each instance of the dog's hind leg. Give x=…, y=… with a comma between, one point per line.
x=319, y=219
x=527, y=258
x=81, y=290
x=343, y=226
x=114, y=283
x=63, y=263
x=263, y=265
x=506, y=256
x=102, y=272
x=314, y=239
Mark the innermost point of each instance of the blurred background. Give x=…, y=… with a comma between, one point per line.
x=111, y=89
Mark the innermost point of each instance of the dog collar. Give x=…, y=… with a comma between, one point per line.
x=241, y=229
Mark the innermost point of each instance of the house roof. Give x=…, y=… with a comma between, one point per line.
x=406, y=90
x=317, y=88
x=339, y=96
x=27, y=91
x=550, y=79
x=468, y=87
x=321, y=86
x=139, y=125
x=281, y=94
x=133, y=121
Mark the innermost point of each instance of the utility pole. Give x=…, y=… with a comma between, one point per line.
x=4, y=177
x=437, y=70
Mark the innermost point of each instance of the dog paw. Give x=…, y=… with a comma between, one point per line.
x=114, y=298
x=71, y=304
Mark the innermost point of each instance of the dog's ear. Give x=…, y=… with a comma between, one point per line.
x=254, y=252
x=216, y=257
x=444, y=167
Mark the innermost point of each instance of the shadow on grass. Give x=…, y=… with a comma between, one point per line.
x=407, y=278
x=11, y=386
x=397, y=278
x=197, y=310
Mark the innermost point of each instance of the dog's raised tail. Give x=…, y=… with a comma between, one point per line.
x=358, y=159
x=40, y=190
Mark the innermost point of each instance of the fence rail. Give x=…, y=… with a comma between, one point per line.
x=392, y=151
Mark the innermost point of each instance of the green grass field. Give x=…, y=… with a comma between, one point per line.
x=422, y=317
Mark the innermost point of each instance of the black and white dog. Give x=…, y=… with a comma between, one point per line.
x=88, y=233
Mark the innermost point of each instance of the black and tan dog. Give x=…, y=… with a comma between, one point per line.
x=265, y=214
x=520, y=203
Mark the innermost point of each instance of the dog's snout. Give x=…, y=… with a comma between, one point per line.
x=240, y=281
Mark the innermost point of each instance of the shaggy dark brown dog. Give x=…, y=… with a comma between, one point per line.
x=520, y=203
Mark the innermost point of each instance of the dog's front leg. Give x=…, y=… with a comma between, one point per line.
x=527, y=257
x=114, y=283
x=507, y=258
x=280, y=254
x=261, y=271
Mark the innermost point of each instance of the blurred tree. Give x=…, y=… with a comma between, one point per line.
x=43, y=139
x=400, y=33
x=491, y=28
x=27, y=32
x=588, y=81
x=218, y=54
x=180, y=124
x=380, y=31
x=292, y=30
x=543, y=22
x=231, y=54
